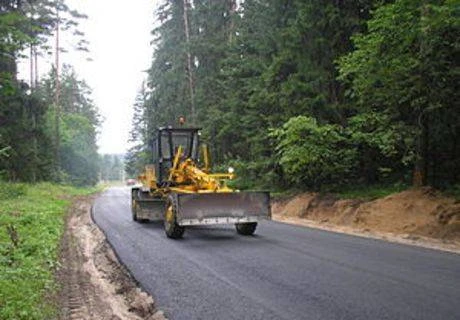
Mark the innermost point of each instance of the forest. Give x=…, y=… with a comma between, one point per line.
x=316, y=95
x=49, y=125
x=301, y=94
x=312, y=101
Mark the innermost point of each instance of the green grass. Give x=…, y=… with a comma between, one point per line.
x=453, y=191
x=31, y=225
x=280, y=195
x=356, y=192
x=369, y=192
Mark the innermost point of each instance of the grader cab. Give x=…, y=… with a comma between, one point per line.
x=179, y=189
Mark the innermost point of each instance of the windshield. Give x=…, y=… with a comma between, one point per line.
x=182, y=139
x=188, y=140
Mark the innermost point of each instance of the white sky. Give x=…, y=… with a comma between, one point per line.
x=119, y=36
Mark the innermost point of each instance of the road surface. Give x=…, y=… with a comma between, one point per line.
x=283, y=272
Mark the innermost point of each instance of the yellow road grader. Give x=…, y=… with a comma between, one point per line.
x=179, y=188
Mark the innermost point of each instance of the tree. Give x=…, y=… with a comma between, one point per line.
x=377, y=78
x=140, y=136
x=314, y=155
x=79, y=121
x=112, y=167
x=24, y=112
x=405, y=66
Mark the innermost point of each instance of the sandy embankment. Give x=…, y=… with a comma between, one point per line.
x=417, y=216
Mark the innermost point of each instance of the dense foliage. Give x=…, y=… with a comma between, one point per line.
x=310, y=94
x=406, y=66
x=42, y=137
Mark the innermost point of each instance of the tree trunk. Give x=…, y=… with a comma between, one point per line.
x=189, y=63
x=420, y=170
x=36, y=66
x=420, y=174
x=32, y=82
x=231, y=27
x=57, y=115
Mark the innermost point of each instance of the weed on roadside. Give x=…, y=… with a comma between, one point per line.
x=31, y=225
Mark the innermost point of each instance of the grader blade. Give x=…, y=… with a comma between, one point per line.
x=221, y=208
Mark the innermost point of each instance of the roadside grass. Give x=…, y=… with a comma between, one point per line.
x=31, y=225
x=453, y=191
x=370, y=192
x=280, y=195
x=365, y=193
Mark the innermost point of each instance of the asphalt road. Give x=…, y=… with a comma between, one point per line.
x=283, y=272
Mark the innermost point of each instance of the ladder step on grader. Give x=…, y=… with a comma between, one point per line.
x=179, y=189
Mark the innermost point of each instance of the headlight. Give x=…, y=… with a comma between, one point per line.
x=231, y=170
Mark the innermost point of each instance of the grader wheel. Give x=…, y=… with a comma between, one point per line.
x=172, y=229
x=246, y=229
x=134, y=205
x=134, y=211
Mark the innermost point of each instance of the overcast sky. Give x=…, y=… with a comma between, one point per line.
x=119, y=35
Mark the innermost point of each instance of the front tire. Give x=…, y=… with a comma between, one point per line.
x=246, y=229
x=172, y=229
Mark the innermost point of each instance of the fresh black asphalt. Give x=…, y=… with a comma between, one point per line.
x=283, y=272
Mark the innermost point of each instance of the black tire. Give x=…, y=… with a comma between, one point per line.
x=134, y=204
x=134, y=214
x=172, y=229
x=246, y=229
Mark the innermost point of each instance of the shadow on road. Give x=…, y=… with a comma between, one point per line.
x=156, y=225
x=214, y=234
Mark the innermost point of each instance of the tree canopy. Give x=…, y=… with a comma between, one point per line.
x=310, y=94
x=31, y=148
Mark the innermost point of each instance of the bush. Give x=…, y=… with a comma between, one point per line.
x=313, y=155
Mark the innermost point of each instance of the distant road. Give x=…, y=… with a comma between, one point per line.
x=284, y=272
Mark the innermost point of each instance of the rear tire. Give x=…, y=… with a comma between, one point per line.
x=134, y=214
x=134, y=204
x=246, y=229
x=172, y=229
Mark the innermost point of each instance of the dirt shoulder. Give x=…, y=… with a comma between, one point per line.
x=93, y=283
x=422, y=217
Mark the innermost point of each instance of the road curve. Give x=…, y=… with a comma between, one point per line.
x=283, y=272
